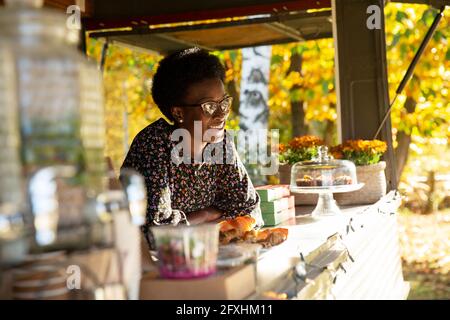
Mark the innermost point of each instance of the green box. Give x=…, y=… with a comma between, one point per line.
x=271, y=220
x=272, y=207
x=271, y=193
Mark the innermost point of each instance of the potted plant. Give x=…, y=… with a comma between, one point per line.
x=366, y=154
x=298, y=149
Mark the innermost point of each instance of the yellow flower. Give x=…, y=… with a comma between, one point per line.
x=379, y=146
x=367, y=146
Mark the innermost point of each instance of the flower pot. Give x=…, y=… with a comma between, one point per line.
x=374, y=188
x=284, y=173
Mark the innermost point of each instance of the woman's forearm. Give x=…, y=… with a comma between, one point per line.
x=204, y=215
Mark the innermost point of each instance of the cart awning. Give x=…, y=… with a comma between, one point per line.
x=165, y=26
x=215, y=26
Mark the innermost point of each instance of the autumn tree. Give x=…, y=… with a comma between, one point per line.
x=423, y=108
x=302, y=94
x=129, y=107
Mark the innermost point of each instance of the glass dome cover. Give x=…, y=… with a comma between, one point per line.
x=323, y=171
x=324, y=175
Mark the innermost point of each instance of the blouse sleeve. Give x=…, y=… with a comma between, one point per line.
x=236, y=195
x=148, y=158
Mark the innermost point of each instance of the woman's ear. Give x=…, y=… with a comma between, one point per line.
x=178, y=114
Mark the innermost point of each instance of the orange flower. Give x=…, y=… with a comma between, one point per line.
x=282, y=148
x=305, y=142
x=336, y=152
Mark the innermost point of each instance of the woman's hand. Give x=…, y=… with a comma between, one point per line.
x=204, y=215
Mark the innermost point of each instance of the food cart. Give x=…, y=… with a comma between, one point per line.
x=354, y=255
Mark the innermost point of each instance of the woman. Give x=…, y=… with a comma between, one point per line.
x=188, y=88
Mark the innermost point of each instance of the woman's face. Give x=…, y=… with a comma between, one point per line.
x=200, y=92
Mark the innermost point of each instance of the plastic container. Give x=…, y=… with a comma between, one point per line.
x=186, y=252
x=233, y=255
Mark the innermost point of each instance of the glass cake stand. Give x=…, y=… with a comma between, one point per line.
x=326, y=205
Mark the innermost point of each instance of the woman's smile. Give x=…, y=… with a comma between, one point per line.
x=217, y=125
x=216, y=128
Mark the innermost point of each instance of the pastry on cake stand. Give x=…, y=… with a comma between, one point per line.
x=324, y=176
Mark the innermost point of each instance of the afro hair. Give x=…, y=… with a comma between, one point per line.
x=178, y=71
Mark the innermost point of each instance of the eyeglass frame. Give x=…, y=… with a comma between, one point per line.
x=218, y=104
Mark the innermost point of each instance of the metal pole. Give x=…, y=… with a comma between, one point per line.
x=82, y=44
x=103, y=56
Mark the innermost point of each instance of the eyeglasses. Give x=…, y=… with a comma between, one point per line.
x=210, y=107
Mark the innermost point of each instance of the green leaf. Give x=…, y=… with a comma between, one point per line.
x=427, y=65
x=438, y=35
x=403, y=50
x=428, y=92
x=325, y=87
x=400, y=16
x=233, y=55
x=296, y=95
x=395, y=40
x=298, y=49
x=277, y=59
x=447, y=55
x=407, y=33
x=428, y=17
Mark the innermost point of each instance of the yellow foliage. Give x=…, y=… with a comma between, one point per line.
x=129, y=106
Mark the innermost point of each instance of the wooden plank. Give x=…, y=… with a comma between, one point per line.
x=322, y=281
x=360, y=272
x=379, y=265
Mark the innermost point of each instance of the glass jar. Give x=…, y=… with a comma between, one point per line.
x=59, y=93
x=13, y=245
x=52, y=102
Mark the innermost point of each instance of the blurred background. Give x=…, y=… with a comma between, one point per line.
x=302, y=82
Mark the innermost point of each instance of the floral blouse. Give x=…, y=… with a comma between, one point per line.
x=174, y=190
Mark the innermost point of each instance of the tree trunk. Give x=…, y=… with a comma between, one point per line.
x=431, y=204
x=330, y=134
x=401, y=152
x=234, y=92
x=404, y=140
x=297, y=111
x=297, y=117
